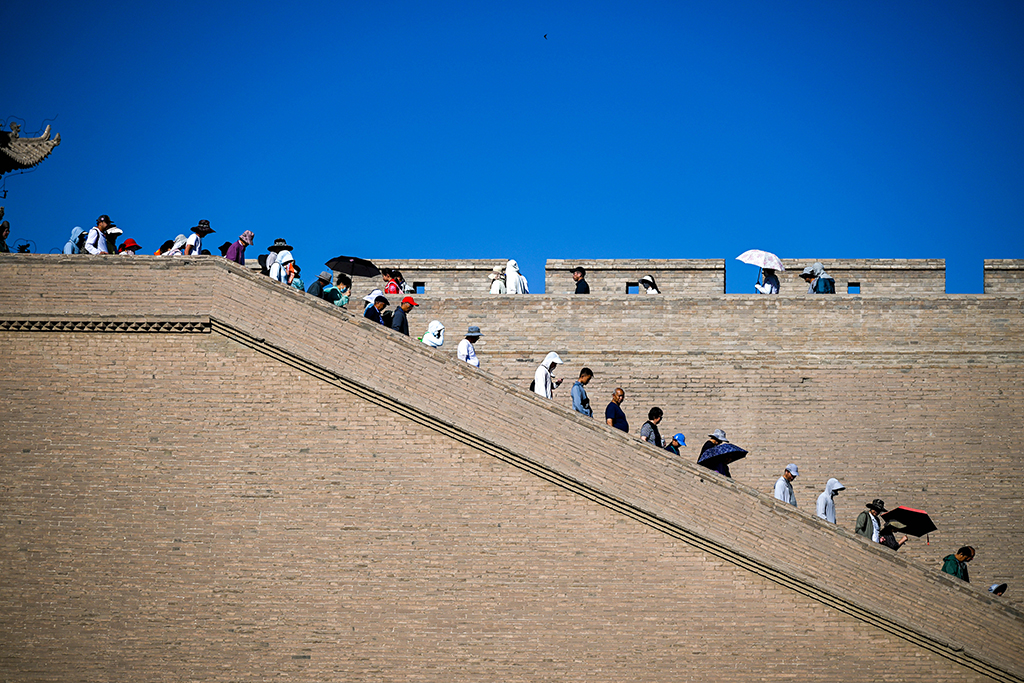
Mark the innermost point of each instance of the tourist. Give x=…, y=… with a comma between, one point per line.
x=826, y=508
x=650, y=287
x=678, y=441
x=818, y=281
x=129, y=247
x=613, y=415
x=279, y=245
x=194, y=244
x=76, y=241
x=869, y=524
x=578, y=275
x=771, y=283
x=317, y=288
x=223, y=249
x=236, y=252
x=784, y=486
x=434, y=337
x=113, y=232
x=403, y=286
x=515, y=283
x=466, y=351
x=5, y=232
x=649, y=430
x=580, y=400
x=956, y=565
x=296, y=281
x=497, y=276
x=997, y=589
x=400, y=320
x=543, y=385
x=165, y=247
x=335, y=294
x=374, y=310
x=714, y=439
x=281, y=271
x=96, y=242
x=391, y=285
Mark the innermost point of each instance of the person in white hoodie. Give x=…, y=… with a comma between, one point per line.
x=543, y=385
x=826, y=506
x=280, y=271
x=435, y=334
x=515, y=283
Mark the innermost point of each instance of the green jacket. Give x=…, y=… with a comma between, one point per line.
x=864, y=526
x=955, y=567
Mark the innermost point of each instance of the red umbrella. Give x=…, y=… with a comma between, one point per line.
x=910, y=521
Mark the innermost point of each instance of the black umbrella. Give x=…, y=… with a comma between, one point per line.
x=350, y=265
x=722, y=453
x=909, y=521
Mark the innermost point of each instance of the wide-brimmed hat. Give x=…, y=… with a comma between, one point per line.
x=203, y=227
x=280, y=244
x=474, y=331
x=131, y=244
x=248, y=237
x=372, y=295
x=720, y=435
x=114, y=231
x=325, y=275
x=878, y=505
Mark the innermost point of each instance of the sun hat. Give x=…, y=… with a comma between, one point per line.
x=720, y=435
x=878, y=505
x=131, y=244
x=114, y=231
x=204, y=226
x=247, y=237
x=372, y=296
x=280, y=244
x=474, y=331
x=324, y=275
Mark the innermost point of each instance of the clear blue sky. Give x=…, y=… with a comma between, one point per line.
x=407, y=129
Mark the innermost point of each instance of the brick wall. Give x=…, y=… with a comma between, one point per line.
x=1004, y=276
x=651, y=493
x=440, y=277
x=696, y=277
x=885, y=277
x=190, y=509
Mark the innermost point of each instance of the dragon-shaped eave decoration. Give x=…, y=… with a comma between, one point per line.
x=18, y=153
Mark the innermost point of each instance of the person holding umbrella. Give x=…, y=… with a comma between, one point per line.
x=769, y=264
x=717, y=453
x=716, y=438
x=771, y=282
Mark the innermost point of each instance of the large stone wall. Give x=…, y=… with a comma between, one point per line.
x=212, y=493
x=1004, y=276
x=191, y=509
x=438, y=277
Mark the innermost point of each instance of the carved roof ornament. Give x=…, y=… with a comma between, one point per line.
x=18, y=153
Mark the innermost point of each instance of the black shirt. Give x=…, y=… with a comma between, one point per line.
x=582, y=287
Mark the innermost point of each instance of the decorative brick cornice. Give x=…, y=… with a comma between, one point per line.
x=184, y=326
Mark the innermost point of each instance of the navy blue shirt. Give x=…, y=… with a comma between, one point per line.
x=582, y=287
x=614, y=413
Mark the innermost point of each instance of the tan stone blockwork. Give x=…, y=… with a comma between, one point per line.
x=1004, y=276
x=192, y=509
x=886, y=277
x=686, y=277
x=621, y=475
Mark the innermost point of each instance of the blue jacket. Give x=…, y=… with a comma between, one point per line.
x=580, y=401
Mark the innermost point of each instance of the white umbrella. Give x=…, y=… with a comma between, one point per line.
x=761, y=259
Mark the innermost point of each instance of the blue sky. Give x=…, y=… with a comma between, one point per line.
x=456, y=130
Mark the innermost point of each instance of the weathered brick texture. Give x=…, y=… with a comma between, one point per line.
x=1004, y=276
x=691, y=277
x=338, y=495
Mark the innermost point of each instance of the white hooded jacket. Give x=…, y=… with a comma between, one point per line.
x=826, y=508
x=515, y=283
x=435, y=334
x=542, y=384
x=279, y=271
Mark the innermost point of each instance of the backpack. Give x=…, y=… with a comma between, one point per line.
x=825, y=285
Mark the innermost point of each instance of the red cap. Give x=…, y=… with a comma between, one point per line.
x=409, y=300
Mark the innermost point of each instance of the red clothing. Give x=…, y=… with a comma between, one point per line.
x=392, y=288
